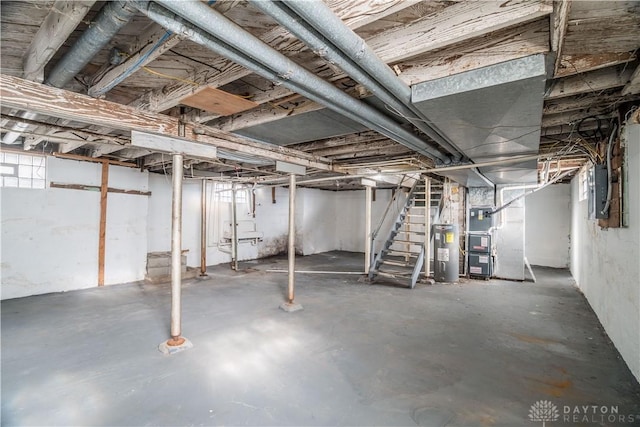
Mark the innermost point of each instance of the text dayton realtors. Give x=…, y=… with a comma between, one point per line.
x=596, y=414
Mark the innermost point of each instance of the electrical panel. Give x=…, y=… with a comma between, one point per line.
x=601, y=184
x=480, y=219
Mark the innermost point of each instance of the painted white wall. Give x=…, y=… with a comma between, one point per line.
x=50, y=236
x=350, y=211
x=605, y=263
x=318, y=228
x=548, y=226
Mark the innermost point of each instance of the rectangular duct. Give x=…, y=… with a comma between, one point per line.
x=491, y=113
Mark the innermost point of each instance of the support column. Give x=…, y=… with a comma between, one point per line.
x=203, y=229
x=176, y=342
x=290, y=305
x=102, y=237
x=367, y=226
x=427, y=227
x=234, y=229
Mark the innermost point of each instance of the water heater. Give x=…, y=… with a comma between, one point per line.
x=446, y=253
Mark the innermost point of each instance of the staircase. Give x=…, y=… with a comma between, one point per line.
x=402, y=255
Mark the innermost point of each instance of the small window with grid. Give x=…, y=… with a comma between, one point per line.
x=22, y=170
x=223, y=193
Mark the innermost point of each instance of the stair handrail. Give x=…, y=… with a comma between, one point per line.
x=374, y=233
x=378, y=257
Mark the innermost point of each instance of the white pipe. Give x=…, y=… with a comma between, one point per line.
x=427, y=227
x=176, y=247
x=292, y=238
x=354, y=273
x=203, y=229
x=367, y=228
x=234, y=228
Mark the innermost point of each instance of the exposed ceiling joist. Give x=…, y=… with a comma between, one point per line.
x=502, y=46
x=149, y=46
x=577, y=64
x=29, y=96
x=593, y=81
x=356, y=13
x=560, y=21
x=462, y=21
x=633, y=87
x=64, y=17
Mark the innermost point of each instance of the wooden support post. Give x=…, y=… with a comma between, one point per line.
x=104, y=188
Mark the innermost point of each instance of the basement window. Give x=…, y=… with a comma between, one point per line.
x=22, y=170
x=223, y=193
x=584, y=183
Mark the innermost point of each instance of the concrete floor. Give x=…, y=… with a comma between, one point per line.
x=473, y=354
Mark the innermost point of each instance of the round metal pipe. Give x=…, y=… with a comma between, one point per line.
x=324, y=48
x=203, y=229
x=176, y=247
x=111, y=18
x=427, y=226
x=322, y=18
x=292, y=239
x=175, y=24
x=368, y=250
x=288, y=72
x=234, y=228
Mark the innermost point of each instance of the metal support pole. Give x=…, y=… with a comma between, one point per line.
x=234, y=229
x=176, y=248
x=292, y=237
x=427, y=227
x=203, y=229
x=367, y=229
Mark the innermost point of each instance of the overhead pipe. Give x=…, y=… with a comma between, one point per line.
x=230, y=40
x=398, y=97
x=176, y=251
x=321, y=17
x=111, y=18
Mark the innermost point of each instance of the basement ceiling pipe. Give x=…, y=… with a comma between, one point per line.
x=389, y=88
x=111, y=18
x=175, y=24
x=322, y=18
x=293, y=75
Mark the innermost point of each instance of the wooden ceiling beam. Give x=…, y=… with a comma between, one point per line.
x=577, y=64
x=633, y=87
x=29, y=96
x=594, y=82
x=501, y=46
x=516, y=44
x=573, y=116
x=456, y=23
x=149, y=46
x=356, y=13
x=560, y=22
x=585, y=102
x=64, y=17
